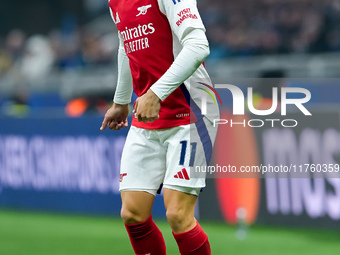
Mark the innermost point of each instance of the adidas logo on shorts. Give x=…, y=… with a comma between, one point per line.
x=183, y=174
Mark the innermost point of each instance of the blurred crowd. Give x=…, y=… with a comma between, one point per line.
x=34, y=56
x=29, y=60
x=248, y=27
x=68, y=44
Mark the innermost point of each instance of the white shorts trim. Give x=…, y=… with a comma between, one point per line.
x=192, y=191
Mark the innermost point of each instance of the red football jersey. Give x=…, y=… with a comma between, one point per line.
x=149, y=37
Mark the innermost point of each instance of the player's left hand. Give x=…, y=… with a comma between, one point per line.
x=147, y=107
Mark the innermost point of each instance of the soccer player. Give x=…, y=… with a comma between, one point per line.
x=162, y=48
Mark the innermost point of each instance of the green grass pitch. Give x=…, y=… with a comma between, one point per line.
x=44, y=234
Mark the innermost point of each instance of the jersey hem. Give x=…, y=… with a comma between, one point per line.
x=163, y=124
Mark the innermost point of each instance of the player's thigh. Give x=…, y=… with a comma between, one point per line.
x=136, y=206
x=179, y=201
x=143, y=161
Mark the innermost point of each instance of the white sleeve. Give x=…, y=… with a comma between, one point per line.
x=187, y=25
x=123, y=91
x=124, y=86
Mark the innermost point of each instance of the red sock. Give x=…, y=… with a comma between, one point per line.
x=193, y=242
x=146, y=238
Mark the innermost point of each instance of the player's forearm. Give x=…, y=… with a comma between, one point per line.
x=123, y=91
x=194, y=52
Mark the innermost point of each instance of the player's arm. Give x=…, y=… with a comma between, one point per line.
x=124, y=81
x=116, y=116
x=191, y=34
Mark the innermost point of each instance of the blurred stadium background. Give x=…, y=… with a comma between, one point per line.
x=59, y=174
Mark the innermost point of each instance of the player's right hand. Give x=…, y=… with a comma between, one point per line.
x=116, y=117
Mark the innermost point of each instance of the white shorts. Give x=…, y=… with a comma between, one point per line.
x=167, y=156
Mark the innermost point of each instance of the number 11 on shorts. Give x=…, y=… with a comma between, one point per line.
x=192, y=153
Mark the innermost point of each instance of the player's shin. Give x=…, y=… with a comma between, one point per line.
x=194, y=241
x=146, y=238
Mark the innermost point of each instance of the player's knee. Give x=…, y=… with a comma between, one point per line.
x=176, y=218
x=131, y=216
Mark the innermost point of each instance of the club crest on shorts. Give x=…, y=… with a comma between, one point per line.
x=122, y=176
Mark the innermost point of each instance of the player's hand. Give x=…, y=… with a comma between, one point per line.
x=116, y=117
x=147, y=107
